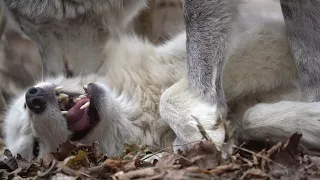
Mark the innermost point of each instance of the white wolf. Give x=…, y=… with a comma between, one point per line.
x=140, y=94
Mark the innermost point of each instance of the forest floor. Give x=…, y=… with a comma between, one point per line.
x=284, y=160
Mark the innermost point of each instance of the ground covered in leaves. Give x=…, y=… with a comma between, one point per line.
x=285, y=160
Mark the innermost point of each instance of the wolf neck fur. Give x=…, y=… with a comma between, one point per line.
x=135, y=72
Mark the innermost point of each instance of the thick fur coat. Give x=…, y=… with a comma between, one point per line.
x=139, y=92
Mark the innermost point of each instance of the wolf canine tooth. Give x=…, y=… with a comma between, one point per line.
x=82, y=96
x=85, y=87
x=76, y=100
x=62, y=96
x=85, y=105
x=64, y=112
x=58, y=88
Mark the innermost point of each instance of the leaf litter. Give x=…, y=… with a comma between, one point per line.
x=284, y=160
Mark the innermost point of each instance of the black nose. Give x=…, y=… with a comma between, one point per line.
x=36, y=100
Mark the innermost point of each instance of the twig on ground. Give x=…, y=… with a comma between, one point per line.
x=201, y=129
x=136, y=173
x=224, y=168
x=254, y=172
x=261, y=156
x=166, y=149
x=53, y=165
x=274, y=149
x=180, y=156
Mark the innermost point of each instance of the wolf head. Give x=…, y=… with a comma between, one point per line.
x=59, y=109
x=41, y=110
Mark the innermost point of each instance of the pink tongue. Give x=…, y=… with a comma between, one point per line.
x=77, y=118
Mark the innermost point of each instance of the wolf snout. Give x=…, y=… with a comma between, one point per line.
x=36, y=99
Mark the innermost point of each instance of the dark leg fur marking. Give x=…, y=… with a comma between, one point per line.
x=302, y=18
x=208, y=25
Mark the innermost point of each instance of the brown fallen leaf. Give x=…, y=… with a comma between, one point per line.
x=167, y=159
x=64, y=150
x=200, y=162
x=22, y=163
x=132, y=150
x=69, y=171
x=203, y=154
x=293, y=143
x=114, y=165
x=96, y=153
x=8, y=161
x=78, y=161
x=290, y=155
x=27, y=168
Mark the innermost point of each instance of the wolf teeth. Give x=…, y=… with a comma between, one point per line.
x=83, y=96
x=59, y=88
x=76, y=100
x=64, y=112
x=85, y=105
x=85, y=87
x=62, y=96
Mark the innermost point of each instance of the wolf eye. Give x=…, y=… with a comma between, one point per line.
x=36, y=148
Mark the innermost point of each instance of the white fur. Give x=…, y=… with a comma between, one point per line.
x=145, y=98
x=277, y=121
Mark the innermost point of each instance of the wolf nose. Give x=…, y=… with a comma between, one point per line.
x=36, y=100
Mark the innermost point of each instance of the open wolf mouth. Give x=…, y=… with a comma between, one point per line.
x=79, y=111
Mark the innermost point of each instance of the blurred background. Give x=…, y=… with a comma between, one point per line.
x=162, y=20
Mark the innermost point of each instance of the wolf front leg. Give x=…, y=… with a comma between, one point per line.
x=302, y=20
x=185, y=112
x=208, y=25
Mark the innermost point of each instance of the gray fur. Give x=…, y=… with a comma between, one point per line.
x=207, y=43
x=76, y=29
x=302, y=18
x=208, y=26
x=57, y=34
x=47, y=10
x=20, y=61
x=144, y=83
